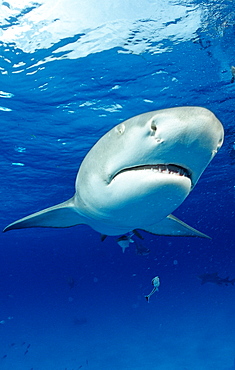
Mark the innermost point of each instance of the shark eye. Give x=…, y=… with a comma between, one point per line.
x=220, y=143
x=218, y=147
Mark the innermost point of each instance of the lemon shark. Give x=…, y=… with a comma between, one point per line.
x=137, y=174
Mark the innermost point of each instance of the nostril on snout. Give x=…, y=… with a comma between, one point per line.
x=153, y=126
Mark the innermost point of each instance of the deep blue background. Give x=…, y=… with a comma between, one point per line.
x=53, y=117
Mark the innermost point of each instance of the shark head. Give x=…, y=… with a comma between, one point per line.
x=138, y=173
x=143, y=169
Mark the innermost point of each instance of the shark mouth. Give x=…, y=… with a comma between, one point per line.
x=170, y=169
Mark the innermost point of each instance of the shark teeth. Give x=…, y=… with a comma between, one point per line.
x=171, y=169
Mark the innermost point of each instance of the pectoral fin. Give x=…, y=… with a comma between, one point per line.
x=61, y=215
x=172, y=226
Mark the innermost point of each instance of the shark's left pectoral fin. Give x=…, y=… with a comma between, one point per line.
x=172, y=226
x=61, y=215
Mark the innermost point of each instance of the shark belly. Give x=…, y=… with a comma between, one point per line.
x=129, y=211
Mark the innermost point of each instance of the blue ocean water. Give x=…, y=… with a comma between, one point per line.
x=69, y=73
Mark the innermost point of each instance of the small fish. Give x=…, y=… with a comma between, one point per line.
x=124, y=241
x=141, y=250
x=156, y=283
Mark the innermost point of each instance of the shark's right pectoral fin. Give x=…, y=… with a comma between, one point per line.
x=172, y=226
x=61, y=215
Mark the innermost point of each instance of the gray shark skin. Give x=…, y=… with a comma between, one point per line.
x=137, y=174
